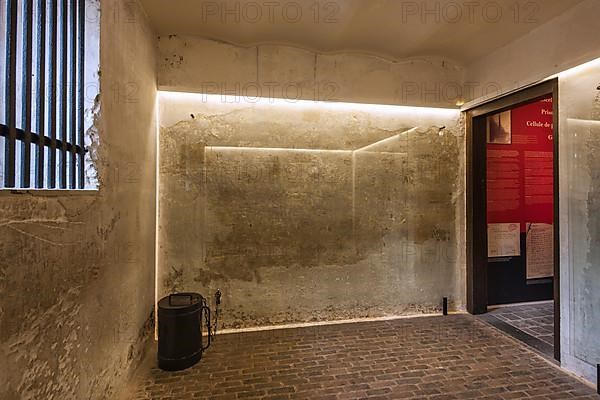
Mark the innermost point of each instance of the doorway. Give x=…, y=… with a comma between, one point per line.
x=512, y=215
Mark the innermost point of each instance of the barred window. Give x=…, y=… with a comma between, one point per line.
x=42, y=117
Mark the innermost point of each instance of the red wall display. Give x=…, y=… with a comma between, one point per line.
x=520, y=154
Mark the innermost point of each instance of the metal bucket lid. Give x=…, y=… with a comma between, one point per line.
x=179, y=302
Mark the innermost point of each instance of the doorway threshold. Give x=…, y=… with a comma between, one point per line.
x=522, y=322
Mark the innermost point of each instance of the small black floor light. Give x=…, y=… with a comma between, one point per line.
x=445, y=306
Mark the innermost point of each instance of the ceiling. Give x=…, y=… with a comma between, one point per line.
x=393, y=29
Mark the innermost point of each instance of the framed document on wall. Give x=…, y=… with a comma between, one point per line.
x=540, y=251
x=499, y=129
x=504, y=240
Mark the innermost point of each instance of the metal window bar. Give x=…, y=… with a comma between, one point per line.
x=62, y=129
x=41, y=92
x=52, y=117
x=73, y=94
x=11, y=93
x=60, y=126
x=81, y=83
x=26, y=93
x=46, y=141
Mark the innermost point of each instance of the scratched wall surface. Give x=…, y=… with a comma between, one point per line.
x=580, y=231
x=77, y=269
x=299, y=212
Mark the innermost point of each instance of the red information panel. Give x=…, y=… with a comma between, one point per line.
x=520, y=167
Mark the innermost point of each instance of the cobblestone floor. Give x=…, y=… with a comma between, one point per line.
x=454, y=357
x=536, y=320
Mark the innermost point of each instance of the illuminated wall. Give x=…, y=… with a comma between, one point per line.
x=304, y=211
x=580, y=230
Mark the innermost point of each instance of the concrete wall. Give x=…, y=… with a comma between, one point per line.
x=580, y=231
x=562, y=43
x=303, y=212
x=194, y=64
x=77, y=268
x=297, y=211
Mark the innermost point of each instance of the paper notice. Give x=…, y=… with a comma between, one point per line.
x=540, y=251
x=504, y=240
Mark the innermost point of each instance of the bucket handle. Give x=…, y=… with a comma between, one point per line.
x=207, y=320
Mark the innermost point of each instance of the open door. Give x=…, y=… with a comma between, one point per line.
x=512, y=201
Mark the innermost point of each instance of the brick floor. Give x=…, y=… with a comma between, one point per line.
x=454, y=357
x=536, y=320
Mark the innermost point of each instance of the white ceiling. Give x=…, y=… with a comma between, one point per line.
x=389, y=28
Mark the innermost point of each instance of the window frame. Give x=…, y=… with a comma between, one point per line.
x=60, y=27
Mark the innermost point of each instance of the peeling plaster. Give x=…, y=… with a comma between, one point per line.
x=76, y=267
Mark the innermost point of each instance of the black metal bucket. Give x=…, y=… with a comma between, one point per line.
x=180, y=324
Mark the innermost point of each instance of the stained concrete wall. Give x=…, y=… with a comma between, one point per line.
x=580, y=231
x=76, y=268
x=194, y=64
x=303, y=212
